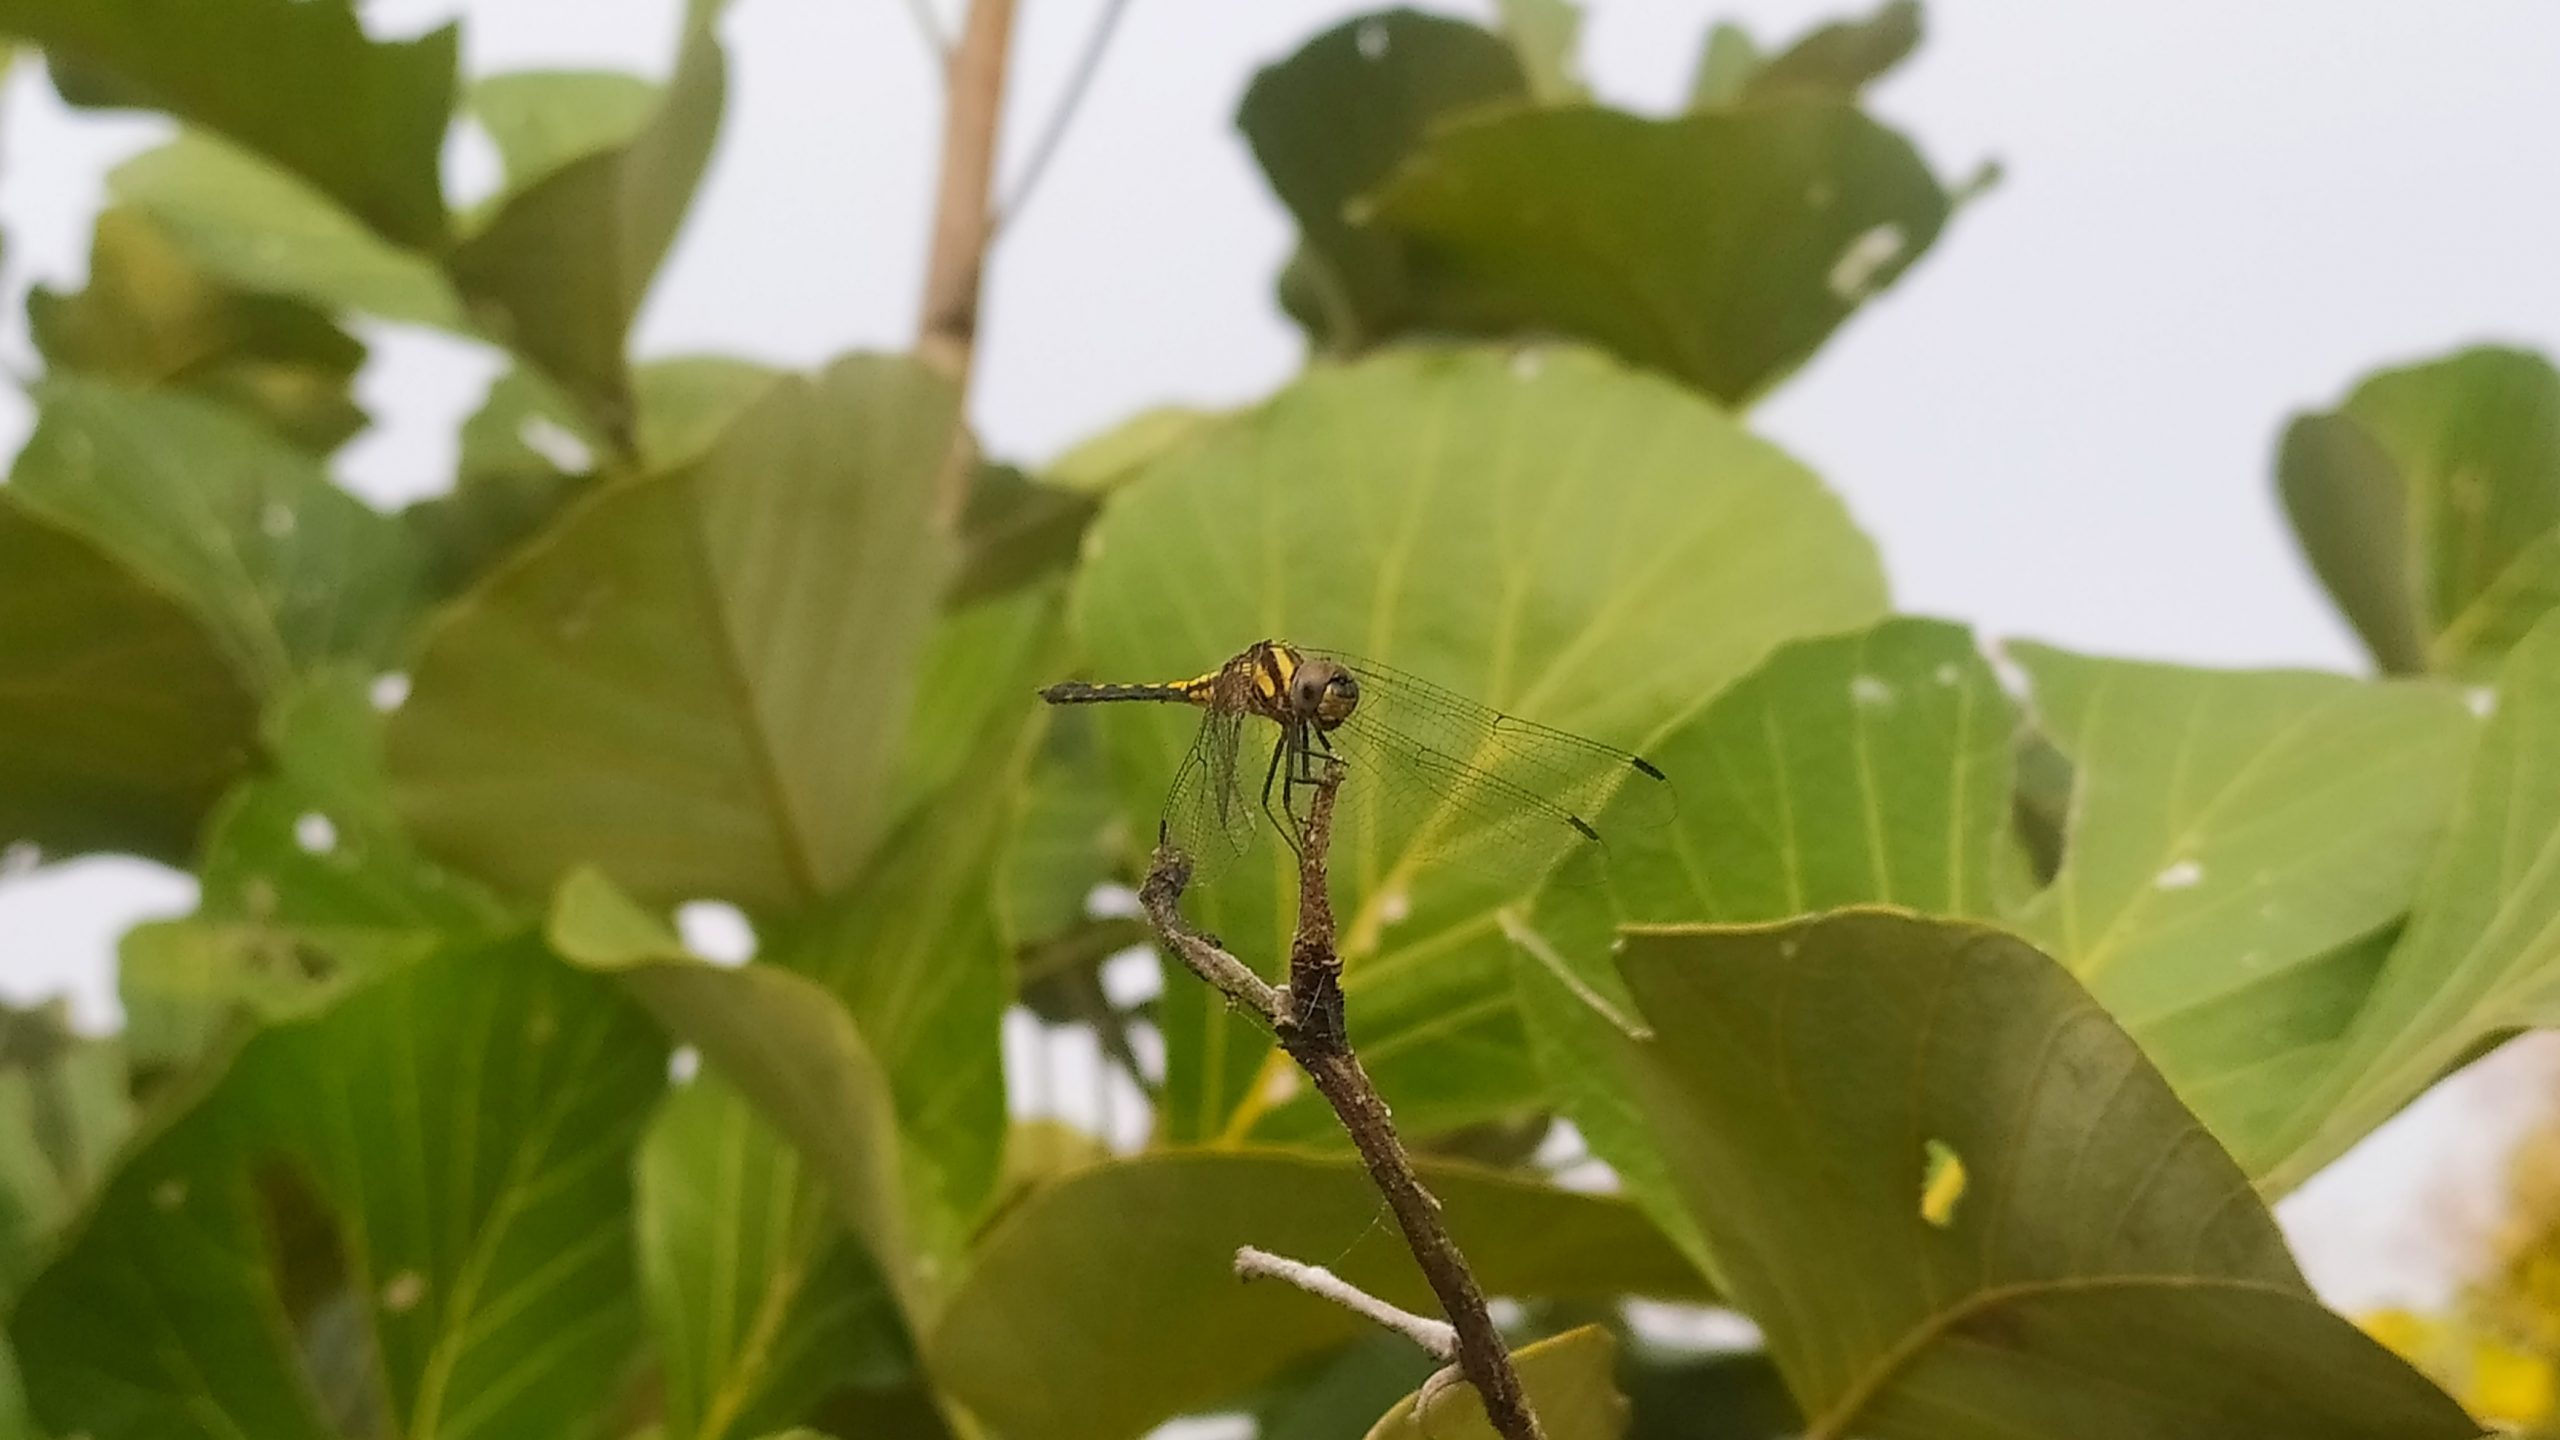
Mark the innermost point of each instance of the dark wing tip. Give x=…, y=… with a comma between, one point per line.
x=1578, y=823
x=1647, y=767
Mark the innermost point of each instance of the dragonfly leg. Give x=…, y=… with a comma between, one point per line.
x=1283, y=820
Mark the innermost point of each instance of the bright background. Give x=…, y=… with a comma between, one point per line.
x=2058, y=425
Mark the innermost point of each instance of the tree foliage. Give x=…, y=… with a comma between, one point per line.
x=1958, y=1030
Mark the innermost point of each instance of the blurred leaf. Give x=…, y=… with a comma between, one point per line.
x=1070, y=835
x=761, y=1302
x=1731, y=58
x=120, y=721
x=465, y=1126
x=699, y=681
x=1107, y=1301
x=2429, y=504
x=63, y=1112
x=1571, y=1385
x=542, y=120
x=1104, y=462
x=1869, y=767
x=1712, y=1397
x=1550, y=534
x=308, y=884
x=283, y=567
x=559, y=271
x=1336, y=1395
x=2481, y=955
x=2233, y=837
x=1337, y=117
x=1839, y=59
x=1016, y=531
x=2110, y=1277
x=14, y=1420
x=151, y=317
x=1721, y=248
x=786, y=1044
x=527, y=452
x=1545, y=35
x=268, y=232
x=295, y=80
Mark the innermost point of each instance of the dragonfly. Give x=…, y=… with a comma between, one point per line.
x=1453, y=779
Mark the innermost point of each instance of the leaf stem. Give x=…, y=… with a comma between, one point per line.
x=955, y=267
x=1088, y=64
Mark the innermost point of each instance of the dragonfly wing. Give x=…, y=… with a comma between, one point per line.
x=1207, y=814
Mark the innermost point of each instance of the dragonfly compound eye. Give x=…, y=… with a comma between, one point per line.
x=1341, y=697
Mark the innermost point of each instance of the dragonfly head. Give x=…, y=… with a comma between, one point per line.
x=1324, y=692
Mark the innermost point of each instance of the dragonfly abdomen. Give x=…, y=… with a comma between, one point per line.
x=1077, y=692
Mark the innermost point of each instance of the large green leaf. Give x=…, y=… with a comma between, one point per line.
x=282, y=566
x=63, y=1110
x=2481, y=955
x=1334, y=119
x=308, y=883
x=1107, y=1301
x=1720, y=247
x=788, y=1046
x=1836, y=60
x=2236, y=842
x=1865, y=768
x=1556, y=536
x=151, y=316
x=761, y=1302
x=121, y=721
x=1572, y=1387
x=2429, y=503
x=267, y=231
x=2088, y=1262
x=464, y=1128
x=698, y=680
x=541, y=120
x=558, y=272
x=296, y=80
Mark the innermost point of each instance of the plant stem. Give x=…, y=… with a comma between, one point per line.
x=1088, y=65
x=1310, y=1020
x=955, y=268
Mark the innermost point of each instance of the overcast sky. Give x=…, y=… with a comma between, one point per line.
x=2058, y=425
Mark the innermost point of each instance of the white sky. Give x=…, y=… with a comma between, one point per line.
x=2059, y=424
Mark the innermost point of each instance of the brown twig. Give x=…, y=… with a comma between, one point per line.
x=1311, y=1022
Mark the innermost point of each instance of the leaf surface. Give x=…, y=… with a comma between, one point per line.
x=1572, y=1385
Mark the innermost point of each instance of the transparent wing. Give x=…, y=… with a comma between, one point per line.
x=1461, y=783
x=1208, y=814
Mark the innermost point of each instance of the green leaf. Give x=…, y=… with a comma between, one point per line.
x=283, y=567
x=761, y=1302
x=527, y=452
x=2481, y=955
x=1554, y=536
x=1837, y=60
x=698, y=681
x=150, y=317
x=1545, y=34
x=308, y=884
x=1107, y=1301
x=1725, y=67
x=1102, y=463
x=1015, y=532
x=1336, y=1394
x=789, y=1048
x=2235, y=838
x=269, y=232
x=441, y=1160
x=2429, y=504
x=1572, y=1388
x=559, y=271
x=63, y=1111
x=121, y=720
x=1721, y=247
x=1337, y=117
x=542, y=120
x=295, y=80
x=2109, y=1275
x=1716, y=1396
x=1872, y=767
